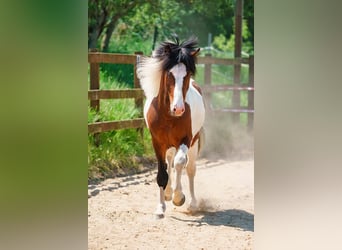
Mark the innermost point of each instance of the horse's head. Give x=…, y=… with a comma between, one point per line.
x=178, y=65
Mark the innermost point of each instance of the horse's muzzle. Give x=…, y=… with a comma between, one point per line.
x=178, y=111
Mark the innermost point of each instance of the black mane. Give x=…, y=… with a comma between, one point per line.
x=173, y=52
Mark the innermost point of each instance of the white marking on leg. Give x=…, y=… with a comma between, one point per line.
x=161, y=207
x=191, y=171
x=179, y=162
x=170, y=154
x=181, y=157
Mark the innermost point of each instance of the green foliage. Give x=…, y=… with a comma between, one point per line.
x=119, y=72
x=145, y=23
x=248, y=14
x=222, y=43
x=117, y=149
x=124, y=41
x=115, y=109
x=204, y=17
x=146, y=19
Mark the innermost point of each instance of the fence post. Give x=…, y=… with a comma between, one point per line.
x=237, y=54
x=95, y=84
x=139, y=102
x=251, y=93
x=207, y=80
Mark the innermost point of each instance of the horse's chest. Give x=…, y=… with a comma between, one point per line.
x=168, y=130
x=171, y=128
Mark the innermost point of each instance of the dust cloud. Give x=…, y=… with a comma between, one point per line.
x=226, y=140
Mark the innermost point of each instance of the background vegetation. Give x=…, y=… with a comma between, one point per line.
x=152, y=20
x=124, y=26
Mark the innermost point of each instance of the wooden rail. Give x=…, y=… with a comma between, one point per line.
x=97, y=57
x=115, y=94
x=222, y=61
x=208, y=88
x=99, y=127
x=225, y=87
x=95, y=94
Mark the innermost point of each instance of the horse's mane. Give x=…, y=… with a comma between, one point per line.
x=171, y=53
x=149, y=72
x=167, y=55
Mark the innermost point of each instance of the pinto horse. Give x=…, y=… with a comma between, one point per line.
x=174, y=113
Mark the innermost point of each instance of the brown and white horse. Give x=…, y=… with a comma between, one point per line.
x=174, y=113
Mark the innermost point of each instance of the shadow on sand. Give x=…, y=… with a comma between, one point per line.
x=94, y=190
x=230, y=218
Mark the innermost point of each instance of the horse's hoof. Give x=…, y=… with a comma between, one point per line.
x=168, y=197
x=180, y=203
x=192, y=208
x=159, y=216
x=159, y=213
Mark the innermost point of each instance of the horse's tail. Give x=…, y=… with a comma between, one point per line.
x=201, y=140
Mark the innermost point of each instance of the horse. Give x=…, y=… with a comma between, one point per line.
x=174, y=114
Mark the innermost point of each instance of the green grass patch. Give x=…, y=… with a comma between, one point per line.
x=122, y=151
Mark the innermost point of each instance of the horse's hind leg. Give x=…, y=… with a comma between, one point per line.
x=191, y=171
x=170, y=154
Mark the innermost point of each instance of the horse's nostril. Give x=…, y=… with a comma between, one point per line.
x=178, y=110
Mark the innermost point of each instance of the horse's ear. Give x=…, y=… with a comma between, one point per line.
x=195, y=52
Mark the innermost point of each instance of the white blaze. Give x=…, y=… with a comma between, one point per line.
x=179, y=72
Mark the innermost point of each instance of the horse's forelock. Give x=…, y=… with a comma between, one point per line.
x=171, y=53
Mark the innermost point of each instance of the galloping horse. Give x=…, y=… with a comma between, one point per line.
x=174, y=113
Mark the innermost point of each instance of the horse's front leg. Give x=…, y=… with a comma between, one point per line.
x=170, y=154
x=162, y=179
x=180, y=162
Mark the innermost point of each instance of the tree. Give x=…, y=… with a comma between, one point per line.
x=103, y=16
x=158, y=19
x=248, y=16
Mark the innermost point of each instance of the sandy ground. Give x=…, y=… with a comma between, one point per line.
x=120, y=211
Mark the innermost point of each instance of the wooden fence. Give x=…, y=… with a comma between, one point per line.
x=236, y=87
x=95, y=94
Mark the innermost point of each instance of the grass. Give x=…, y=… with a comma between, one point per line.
x=120, y=151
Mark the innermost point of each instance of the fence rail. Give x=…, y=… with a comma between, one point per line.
x=222, y=61
x=95, y=94
x=236, y=87
x=99, y=127
x=97, y=57
x=115, y=94
x=222, y=87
